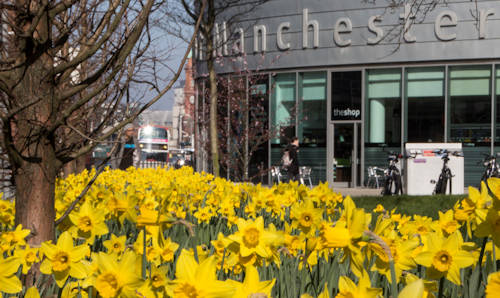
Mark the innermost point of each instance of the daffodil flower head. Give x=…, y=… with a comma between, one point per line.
x=445, y=257
x=88, y=222
x=118, y=277
x=199, y=280
x=64, y=259
x=9, y=283
x=115, y=245
x=493, y=286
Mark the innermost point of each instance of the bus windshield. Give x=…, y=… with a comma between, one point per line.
x=151, y=132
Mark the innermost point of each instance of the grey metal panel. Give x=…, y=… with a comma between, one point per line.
x=428, y=47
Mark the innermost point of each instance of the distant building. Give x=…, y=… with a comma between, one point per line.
x=182, y=133
x=163, y=118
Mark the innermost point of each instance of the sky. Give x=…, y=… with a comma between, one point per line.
x=178, y=50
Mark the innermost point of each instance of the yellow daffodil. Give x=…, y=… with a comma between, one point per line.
x=379, y=209
x=445, y=257
x=401, y=251
x=115, y=245
x=490, y=226
x=27, y=256
x=493, y=286
x=429, y=286
x=122, y=206
x=252, y=285
x=203, y=214
x=199, y=280
x=88, y=222
x=159, y=281
x=32, y=292
x=414, y=289
x=447, y=222
x=9, y=283
x=73, y=290
x=64, y=259
x=117, y=278
x=15, y=238
x=348, y=289
x=253, y=239
x=473, y=209
x=6, y=212
x=346, y=233
x=305, y=217
x=167, y=250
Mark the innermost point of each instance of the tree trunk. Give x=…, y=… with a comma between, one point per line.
x=214, y=143
x=35, y=191
x=75, y=166
x=32, y=147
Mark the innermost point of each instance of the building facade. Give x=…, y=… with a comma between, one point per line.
x=354, y=80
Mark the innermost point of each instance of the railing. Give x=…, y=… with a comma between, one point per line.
x=6, y=186
x=152, y=164
x=277, y=175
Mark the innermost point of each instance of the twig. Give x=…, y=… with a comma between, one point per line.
x=99, y=170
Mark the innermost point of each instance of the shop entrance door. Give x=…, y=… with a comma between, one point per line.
x=346, y=154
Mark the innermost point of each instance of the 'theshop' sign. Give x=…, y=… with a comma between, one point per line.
x=347, y=113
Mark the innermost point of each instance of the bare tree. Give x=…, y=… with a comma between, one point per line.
x=212, y=48
x=65, y=66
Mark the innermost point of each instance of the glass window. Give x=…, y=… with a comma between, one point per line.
x=283, y=113
x=258, y=127
x=283, y=107
x=425, y=95
x=312, y=123
x=470, y=105
x=497, y=99
x=384, y=107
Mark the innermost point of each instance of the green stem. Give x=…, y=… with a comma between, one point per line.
x=144, y=253
x=480, y=261
x=493, y=252
x=309, y=269
x=441, y=287
x=394, y=283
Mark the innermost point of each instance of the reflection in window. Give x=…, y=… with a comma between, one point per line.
x=312, y=124
x=497, y=98
x=425, y=94
x=283, y=107
x=258, y=127
x=470, y=104
x=283, y=113
x=384, y=107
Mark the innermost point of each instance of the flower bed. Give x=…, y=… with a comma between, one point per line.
x=160, y=233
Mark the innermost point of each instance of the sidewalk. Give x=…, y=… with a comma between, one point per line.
x=368, y=192
x=359, y=191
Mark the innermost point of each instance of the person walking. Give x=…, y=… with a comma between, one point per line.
x=293, y=167
x=129, y=151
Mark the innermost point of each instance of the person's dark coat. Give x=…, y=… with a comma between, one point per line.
x=127, y=159
x=293, y=169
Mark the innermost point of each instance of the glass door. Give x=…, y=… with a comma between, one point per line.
x=345, y=144
x=346, y=154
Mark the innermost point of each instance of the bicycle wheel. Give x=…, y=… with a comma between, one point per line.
x=443, y=185
x=438, y=189
x=398, y=184
x=386, y=191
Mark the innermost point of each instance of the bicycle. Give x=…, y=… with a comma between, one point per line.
x=491, y=167
x=445, y=177
x=392, y=183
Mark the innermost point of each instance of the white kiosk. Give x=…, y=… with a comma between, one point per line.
x=425, y=166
